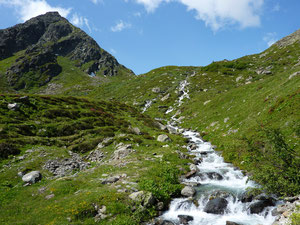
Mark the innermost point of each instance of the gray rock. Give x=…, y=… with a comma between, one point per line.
x=122, y=151
x=144, y=198
x=166, y=97
x=156, y=90
x=136, y=130
x=49, y=196
x=110, y=180
x=185, y=219
x=32, y=177
x=13, y=106
x=63, y=167
x=95, y=156
x=172, y=130
x=188, y=191
x=163, y=138
x=258, y=206
x=160, y=126
x=216, y=206
x=232, y=223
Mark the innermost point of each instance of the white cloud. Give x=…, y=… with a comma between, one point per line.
x=120, y=26
x=80, y=21
x=151, y=5
x=27, y=9
x=270, y=38
x=97, y=1
x=218, y=14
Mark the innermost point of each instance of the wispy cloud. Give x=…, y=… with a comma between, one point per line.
x=113, y=51
x=218, y=14
x=270, y=38
x=80, y=21
x=26, y=9
x=97, y=1
x=121, y=25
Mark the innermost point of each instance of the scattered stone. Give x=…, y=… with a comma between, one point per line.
x=166, y=97
x=163, y=138
x=185, y=219
x=32, y=177
x=49, y=196
x=136, y=130
x=206, y=102
x=110, y=180
x=122, y=151
x=144, y=198
x=13, y=106
x=160, y=126
x=95, y=156
x=172, y=130
x=294, y=74
x=216, y=206
x=226, y=119
x=156, y=90
x=188, y=191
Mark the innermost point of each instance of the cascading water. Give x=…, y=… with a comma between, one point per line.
x=215, y=178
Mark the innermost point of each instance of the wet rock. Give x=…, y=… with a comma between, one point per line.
x=160, y=206
x=144, y=198
x=216, y=206
x=190, y=174
x=188, y=191
x=232, y=223
x=247, y=197
x=163, y=222
x=172, y=130
x=185, y=219
x=211, y=175
x=163, y=138
x=260, y=205
x=221, y=194
x=194, y=167
x=32, y=177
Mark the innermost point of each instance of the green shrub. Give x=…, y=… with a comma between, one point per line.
x=7, y=149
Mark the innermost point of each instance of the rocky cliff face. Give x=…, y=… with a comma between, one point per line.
x=42, y=39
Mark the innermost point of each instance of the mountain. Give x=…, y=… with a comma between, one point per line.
x=35, y=52
x=94, y=152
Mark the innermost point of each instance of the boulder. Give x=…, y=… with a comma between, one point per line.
x=216, y=206
x=185, y=219
x=32, y=177
x=160, y=126
x=144, y=198
x=95, y=156
x=211, y=175
x=166, y=97
x=110, y=180
x=190, y=174
x=172, y=130
x=122, y=151
x=163, y=138
x=232, y=223
x=188, y=191
x=258, y=206
x=13, y=106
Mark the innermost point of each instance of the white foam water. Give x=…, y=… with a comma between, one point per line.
x=233, y=182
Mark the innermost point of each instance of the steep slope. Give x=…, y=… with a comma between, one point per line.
x=35, y=52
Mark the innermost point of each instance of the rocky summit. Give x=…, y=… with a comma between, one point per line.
x=36, y=44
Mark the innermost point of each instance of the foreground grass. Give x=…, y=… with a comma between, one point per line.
x=50, y=127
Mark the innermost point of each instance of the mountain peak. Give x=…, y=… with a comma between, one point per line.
x=43, y=39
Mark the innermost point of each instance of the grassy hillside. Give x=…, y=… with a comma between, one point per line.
x=42, y=130
x=248, y=107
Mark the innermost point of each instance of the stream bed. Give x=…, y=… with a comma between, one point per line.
x=216, y=179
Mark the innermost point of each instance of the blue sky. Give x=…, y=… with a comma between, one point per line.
x=146, y=34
